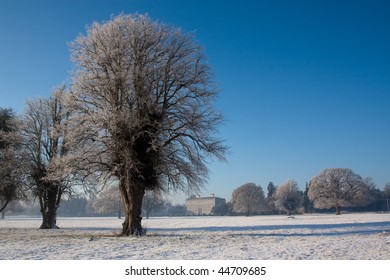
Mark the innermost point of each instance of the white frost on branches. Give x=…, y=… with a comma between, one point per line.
x=339, y=187
x=248, y=199
x=288, y=197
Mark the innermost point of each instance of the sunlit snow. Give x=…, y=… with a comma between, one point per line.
x=317, y=236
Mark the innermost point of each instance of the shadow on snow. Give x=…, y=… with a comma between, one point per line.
x=289, y=230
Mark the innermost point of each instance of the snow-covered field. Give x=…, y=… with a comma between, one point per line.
x=308, y=237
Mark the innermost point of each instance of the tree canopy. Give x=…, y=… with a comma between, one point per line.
x=288, y=197
x=143, y=94
x=43, y=131
x=248, y=199
x=338, y=187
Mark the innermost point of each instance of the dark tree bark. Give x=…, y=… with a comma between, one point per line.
x=2, y=209
x=134, y=181
x=338, y=210
x=4, y=206
x=132, y=197
x=49, y=198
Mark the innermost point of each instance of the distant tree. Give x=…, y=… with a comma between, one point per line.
x=144, y=96
x=339, y=187
x=223, y=209
x=271, y=188
x=43, y=130
x=152, y=201
x=386, y=190
x=270, y=200
x=176, y=210
x=373, y=192
x=377, y=198
x=248, y=199
x=108, y=201
x=308, y=206
x=16, y=207
x=10, y=161
x=288, y=197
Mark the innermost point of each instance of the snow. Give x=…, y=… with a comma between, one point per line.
x=307, y=237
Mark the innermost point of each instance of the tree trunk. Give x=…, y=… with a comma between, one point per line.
x=132, y=195
x=2, y=209
x=338, y=210
x=49, y=220
x=48, y=205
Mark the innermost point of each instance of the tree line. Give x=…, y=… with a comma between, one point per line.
x=105, y=204
x=332, y=189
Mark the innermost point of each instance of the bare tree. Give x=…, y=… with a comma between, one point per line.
x=144, y=96
x=338, y=187
x=152, y=201
x=108, y=201
x=288, y=197
x=248, y=199
x=42, y=129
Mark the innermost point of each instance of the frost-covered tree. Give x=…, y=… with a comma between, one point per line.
x=339, y=187
x=42, y=129
x=152, y=201
x=248, y=199
x=144, y=95
x=108, y=201
x=288, y=197
x=10, y=161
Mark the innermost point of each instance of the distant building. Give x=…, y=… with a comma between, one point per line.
x=203, y=205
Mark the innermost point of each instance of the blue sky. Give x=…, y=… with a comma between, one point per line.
x=305, y=85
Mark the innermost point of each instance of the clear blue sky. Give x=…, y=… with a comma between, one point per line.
x=305, y=85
